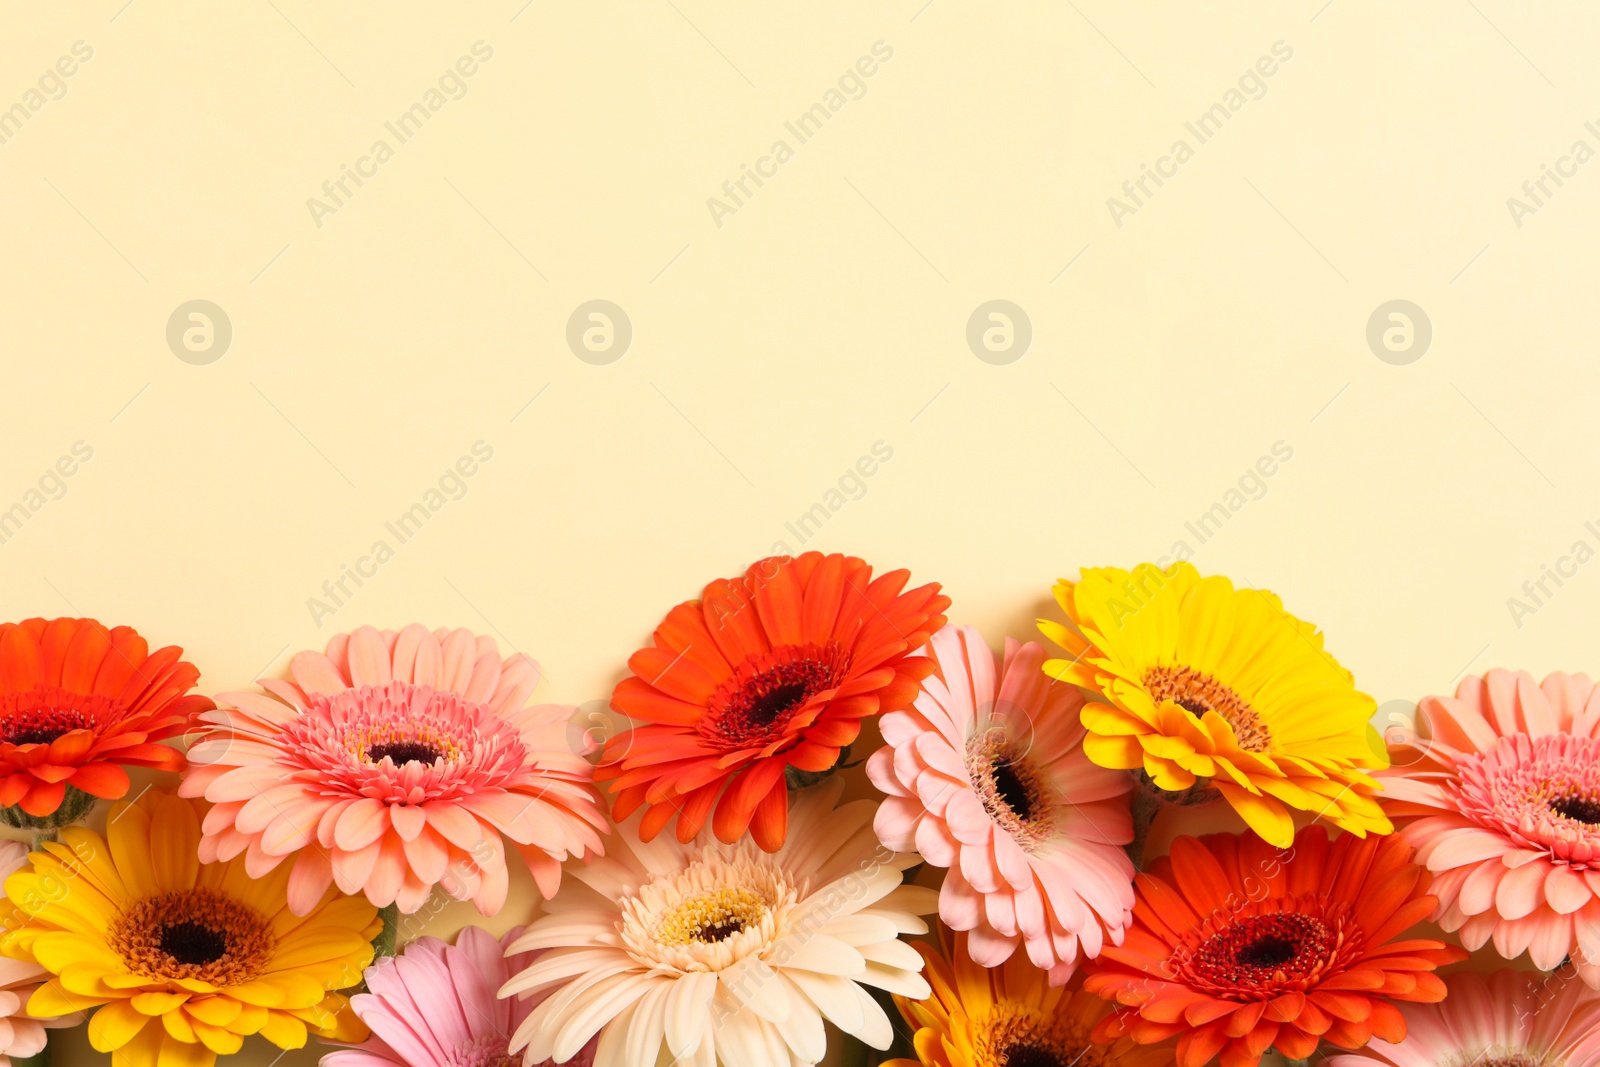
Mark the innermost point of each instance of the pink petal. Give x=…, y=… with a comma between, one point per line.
x=362, y=823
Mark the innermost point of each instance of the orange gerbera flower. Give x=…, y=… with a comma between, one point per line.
x=767, y=671
x=78, y=702
x=1237, y=947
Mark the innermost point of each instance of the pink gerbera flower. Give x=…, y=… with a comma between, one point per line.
x=1501, y=796
x=434, y=1005
x=986, y=775
x=392, y=764
x=1509, y=1019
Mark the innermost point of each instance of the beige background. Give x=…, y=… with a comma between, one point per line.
x=826, y=314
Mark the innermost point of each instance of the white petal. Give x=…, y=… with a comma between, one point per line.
x=687, y=1007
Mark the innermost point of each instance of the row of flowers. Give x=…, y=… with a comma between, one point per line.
x=711, y=897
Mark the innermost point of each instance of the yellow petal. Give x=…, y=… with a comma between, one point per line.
x=58, y=950
x=1118, y=753
x=1266, y=816
x=143, y=1051
x=128, y=835
x=1166, y=774
x=175, y=1053
x=114, y=1025
x=51, y=1000
x=217, y=1039
x=251, y=1019
x=157, y=1003
x=174, y=852
x=216, y=1010
x=1110, y=721
x=284, y=1030
x=179, y=1027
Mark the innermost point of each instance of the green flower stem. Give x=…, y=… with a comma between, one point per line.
x=75, y=804
x=384, y=944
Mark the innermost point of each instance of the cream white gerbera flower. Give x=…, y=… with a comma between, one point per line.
x=725, y=953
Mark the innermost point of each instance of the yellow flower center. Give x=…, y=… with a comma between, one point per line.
x=711, y=917
x=732, y=901
x=1198, y=693
x=195, y=933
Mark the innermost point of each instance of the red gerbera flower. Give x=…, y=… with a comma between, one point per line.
x=1237, y=947
x=77, y=700
x=770, y=670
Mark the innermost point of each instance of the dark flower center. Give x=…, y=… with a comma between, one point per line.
x=1011, y=789
x=765, y=693
x=192, y=943
x=1583, y=809
x=1269, y=950
x=403, y=752
x=1031, y=1056
x=720, y=931
x=40, y=715
x=38, y=735
x=766, y=708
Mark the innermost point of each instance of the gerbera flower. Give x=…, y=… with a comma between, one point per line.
x=1008, y=1016
x=182, y=960
x=393, y=764
x=21, y=1036
x=768, y=671
x=1509, y=1019
x=987, y=777
x=1501, y=796
x=1237, y=947
x=1208, y=683
x=434, y=1005
x=725, y=953
x=79, y=702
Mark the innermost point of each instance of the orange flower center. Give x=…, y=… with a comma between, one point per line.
x=44, y=713
x=767, y=697
x=1198, y=693
x=195, y=933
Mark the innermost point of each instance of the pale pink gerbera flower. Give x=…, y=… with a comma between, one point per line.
x=392, y=764
x=705, y=953
x=1500, y=793
x=434, y=1005
x=987, y=776
x=1509, y=1019
x=21, y=1035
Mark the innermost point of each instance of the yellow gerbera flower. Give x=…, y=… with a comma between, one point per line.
x=1009, y=1016
x=1207, y=682
x=182, y=959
